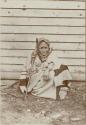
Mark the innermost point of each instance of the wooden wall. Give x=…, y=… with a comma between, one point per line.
x=62, y=22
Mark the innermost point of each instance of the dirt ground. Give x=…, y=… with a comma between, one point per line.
x=32, y=110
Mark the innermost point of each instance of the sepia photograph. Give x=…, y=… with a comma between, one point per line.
x=42, y=62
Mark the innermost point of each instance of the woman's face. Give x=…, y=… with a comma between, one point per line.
x=43, y=49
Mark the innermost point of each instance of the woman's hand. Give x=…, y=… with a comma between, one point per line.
x=46, y=75
x=23, y=89
x=32, y=70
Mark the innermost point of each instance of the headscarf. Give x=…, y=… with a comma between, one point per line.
x=36, y=51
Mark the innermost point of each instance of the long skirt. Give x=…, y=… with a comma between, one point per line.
x=59, y=78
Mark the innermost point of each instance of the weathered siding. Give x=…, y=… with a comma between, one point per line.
x=62, y=22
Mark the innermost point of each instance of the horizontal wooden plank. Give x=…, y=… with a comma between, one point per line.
x=15, y=75
x=19, y=68
x=79, y=76
x=73, y=61
x=51, y=38
x=42, y=13
x=10, y=60
x=31, y=45
x=42, y=4
x=43, y=21
x=7, y=83
x=24, y=53
x=42, y=29
x=10, y=75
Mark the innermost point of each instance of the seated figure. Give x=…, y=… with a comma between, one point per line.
x=44, y=73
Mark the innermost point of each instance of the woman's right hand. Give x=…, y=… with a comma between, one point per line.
x=32, y=70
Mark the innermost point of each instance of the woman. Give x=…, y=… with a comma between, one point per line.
x=45, y=73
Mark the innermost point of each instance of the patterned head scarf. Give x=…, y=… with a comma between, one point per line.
x=36, y=51
x=40, y=40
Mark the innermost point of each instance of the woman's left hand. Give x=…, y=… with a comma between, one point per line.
x=46, y=75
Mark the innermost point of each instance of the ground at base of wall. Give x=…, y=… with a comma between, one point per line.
x=18, y=110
